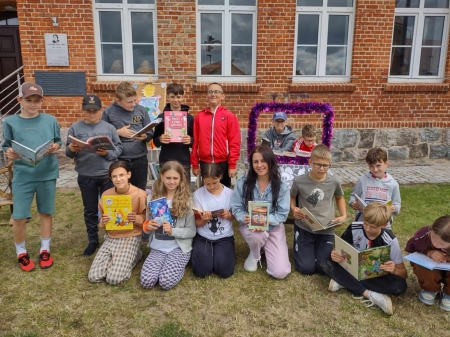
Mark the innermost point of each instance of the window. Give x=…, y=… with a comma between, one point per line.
x=226, y=40
x=8, y=18
x=323, y=35
x=419, y=41
x=125, y=35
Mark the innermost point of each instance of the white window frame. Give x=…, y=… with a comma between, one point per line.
x=420, y=14
x=227, y=11
x=127, y=44
x=324, y=12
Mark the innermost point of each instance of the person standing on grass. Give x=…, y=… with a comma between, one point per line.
x=263, y=183
x=32, y=128
x=92, y=168
x=213, y=247
x=120, y=252
x=217, y=136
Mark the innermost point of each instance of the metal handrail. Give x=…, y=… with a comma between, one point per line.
x=10, y=75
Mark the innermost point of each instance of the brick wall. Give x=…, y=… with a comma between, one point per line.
x=367, y=102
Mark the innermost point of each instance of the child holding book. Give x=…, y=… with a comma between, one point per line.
x=280, y=135
x=92, y=167
x=308, y=140
x=371, y=233
x=120, y=251
x=434, y=242
x=315, y=191
x=127, y=116
x=263, y=183
x=376, y=185
x=171, y=249
x=32, y=128
x=213, y=246
x=173, y=150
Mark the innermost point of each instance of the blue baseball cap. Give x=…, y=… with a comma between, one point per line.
x=279, y=115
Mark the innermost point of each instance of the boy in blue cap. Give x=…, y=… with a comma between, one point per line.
x=280, y=136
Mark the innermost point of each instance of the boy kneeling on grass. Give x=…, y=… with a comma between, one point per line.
x=364, y=235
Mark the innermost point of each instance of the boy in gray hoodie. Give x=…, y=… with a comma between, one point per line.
x=376, y=185
x=280, y=136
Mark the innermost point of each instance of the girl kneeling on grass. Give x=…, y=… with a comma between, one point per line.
x=434, y=242
x=213, y=247
x=263, y=183
x=171, y=249
x=120, y=251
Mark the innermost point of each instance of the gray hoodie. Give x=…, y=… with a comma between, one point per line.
x=372, y=189
x=280, y=142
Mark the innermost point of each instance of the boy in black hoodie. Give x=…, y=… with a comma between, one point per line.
x=175, y=151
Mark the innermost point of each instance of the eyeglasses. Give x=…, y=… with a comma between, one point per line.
x=324, y=166
x=309, y=140
x=215, y=92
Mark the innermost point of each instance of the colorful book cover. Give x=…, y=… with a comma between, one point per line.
x=175, y=124
x=198, y=212
x=259, y=215
x=160, y=210
x=93, y=143
x=117, y=207
x=30, y=156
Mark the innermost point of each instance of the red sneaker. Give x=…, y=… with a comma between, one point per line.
x=25, y=262
x=45, y=260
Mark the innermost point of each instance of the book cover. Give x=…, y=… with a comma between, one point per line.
x=362, y=204
x=154, y=169
x=30, y=156
x=149, y=126
x=363, y=264
x=93, y=143
x=198, y=212
x=117, y=207
x=425, y=261
x=175, y=124
x=259, y=215
x=312, y=222
x=160, y=212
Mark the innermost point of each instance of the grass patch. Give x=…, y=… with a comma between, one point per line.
x=60, y=301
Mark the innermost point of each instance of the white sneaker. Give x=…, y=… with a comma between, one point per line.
x=251, y=264
x=334, y=286
x=380, y=300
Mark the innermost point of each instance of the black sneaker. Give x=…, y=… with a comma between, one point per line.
x=90, y=249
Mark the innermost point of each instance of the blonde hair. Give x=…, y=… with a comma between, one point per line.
x=321, y=151
x=377, y=214
x=182, y=199
x=125, y=90
x=309, y=131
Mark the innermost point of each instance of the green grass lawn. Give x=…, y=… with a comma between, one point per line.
x=60, y=301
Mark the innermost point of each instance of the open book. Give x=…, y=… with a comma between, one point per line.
x=93, y=143
x=425, y=261
x=117, y=207
x=259, y=215
x=314, y=224
x=31, y=156
x=297, y=154
x=363, y=264
x=198, y=213
x=362, y=204
x=149, y=126
x=265, y=141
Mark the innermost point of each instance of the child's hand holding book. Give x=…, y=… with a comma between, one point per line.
x=336, y=256
x=298, y=214
x=388, y=266
x=437, y=256
x=150, y=225
x=167, y=228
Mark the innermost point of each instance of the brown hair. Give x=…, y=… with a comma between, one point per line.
x=210, y=170
x=175, y=88
x=125, y=90
x=376, y=155
x=321, y=151
x=441, y=227
x=377, y=214
x=309, y=131
x=118, y=164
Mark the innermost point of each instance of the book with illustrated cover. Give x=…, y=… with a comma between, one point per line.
x=259, y=215
x=425, y=261
x=362, y=204
x=93, y=143
x=160, y=212
x=312, y=222
x=363, y=264
x=198, y=212
x=175, y=124
x=149, y=126
x=154, y=169
x=117, y=207
x=30, y=156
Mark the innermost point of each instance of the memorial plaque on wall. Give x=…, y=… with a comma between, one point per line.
x=56, y=49
x=55, y=83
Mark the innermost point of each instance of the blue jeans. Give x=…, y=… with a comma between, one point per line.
x=139, y=171
x=90, y=191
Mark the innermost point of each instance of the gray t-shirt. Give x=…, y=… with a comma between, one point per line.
x=318, y=198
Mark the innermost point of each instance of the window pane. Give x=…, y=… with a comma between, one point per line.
x=243, y=2
x=112, y=58
x=211, y=2
x=211, y=60
x=429, y=61
x=403, y=30
x=336, y=59
x=13, y=22
x=150, y=2
x=211, y=28
x=241, y=28
x=110, y=27
x=108, y=1
x=433, y=30
x=338, y=29
x=241, y=60
x=340, y=3
x=143, y=59
x=407, y=4
x=306, y=61
x=436, y=4
x=142, y=27
x=401, y=61
x=308, y=29
x=310, y=3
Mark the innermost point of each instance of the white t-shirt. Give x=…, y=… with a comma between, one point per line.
x=216, y=228
x=163, y=241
